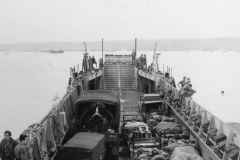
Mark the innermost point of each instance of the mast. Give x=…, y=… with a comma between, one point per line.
x=157, y=64
x=102, y=50
x=136, y=46
x=85, y=47
x=154, y=56
x=102, y=67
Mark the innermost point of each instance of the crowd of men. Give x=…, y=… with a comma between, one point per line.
x=141, y=62
x=11, y=149
x=185, y=87
x=185, y=90
x=77, y=79
x=88, y=61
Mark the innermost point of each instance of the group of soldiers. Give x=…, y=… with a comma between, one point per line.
x=169, y=79
x=141, y=62
x=185, y=87
x=88, y=61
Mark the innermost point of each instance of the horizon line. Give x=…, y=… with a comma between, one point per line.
x=115, y=40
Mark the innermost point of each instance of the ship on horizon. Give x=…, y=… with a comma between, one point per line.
x=56, y=51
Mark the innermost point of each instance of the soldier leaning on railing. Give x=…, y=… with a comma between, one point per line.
x=101, y=63
x=77, y=82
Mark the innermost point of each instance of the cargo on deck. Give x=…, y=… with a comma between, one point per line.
x=84, y=145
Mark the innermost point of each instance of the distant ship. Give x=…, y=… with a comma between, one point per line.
x=7, y=53
x=56, y=51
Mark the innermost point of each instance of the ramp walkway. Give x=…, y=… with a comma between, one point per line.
x=119, y=76
x=129, y=100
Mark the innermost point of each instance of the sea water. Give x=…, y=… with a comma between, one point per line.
x=30, y=80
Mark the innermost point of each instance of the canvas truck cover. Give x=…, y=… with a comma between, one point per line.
x=161, y=126
x=84, y=145
x=106, y=97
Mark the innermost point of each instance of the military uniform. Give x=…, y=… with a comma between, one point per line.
x=7, y=149
x=22, y=152
x=133, y=58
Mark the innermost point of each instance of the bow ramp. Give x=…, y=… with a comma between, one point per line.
x=119, y=76
x=122, y=78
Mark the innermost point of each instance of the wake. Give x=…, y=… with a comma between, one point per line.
x=51, y=66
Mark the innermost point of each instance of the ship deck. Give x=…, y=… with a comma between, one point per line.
x=128, y=84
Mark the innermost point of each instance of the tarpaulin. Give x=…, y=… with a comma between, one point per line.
x=166, y=125
x=85, y=144
x=130, y=125
x=107, y=97
x=100, y=96
x=185, y=152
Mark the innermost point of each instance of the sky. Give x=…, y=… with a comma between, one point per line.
x=31, y=21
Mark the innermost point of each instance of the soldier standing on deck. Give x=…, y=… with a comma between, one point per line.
x=84, y=68
x=141, y=62
x=7, y=147
x=85, y=63
x=145, y=59
x=137, y=63
x=101, y=63
x=94, y=61
x=133, y=57
x=144, y=64
x=90, y=64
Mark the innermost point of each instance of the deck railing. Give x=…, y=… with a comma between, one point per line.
x=51, y=129
x=112, y=58
x=217, y=137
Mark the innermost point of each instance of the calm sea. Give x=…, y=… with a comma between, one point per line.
x=29, y=80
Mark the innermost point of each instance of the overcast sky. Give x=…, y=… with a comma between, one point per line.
x=90, y=20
